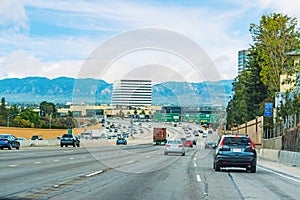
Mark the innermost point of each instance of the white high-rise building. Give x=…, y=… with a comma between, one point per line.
x=132, y=92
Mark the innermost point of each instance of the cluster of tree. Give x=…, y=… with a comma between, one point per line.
x=28, y=118
x=273, y=38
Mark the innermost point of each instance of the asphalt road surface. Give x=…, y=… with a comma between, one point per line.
x=132, y=172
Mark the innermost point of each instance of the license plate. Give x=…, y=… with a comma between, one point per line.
x=236, y=150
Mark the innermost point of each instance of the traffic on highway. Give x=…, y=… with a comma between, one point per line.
x=192, y=167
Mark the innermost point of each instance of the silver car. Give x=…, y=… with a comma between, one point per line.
x=174, y=146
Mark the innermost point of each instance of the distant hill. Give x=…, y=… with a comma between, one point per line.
x=88, y=90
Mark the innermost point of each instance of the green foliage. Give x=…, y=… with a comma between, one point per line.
x=275, y=35
x=47, y=108
x=249, y=92
x=273, y=38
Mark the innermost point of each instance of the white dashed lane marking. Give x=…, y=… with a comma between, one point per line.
x=94, y=173
x=198, y=178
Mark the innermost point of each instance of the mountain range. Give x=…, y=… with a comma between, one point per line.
x=88, y=90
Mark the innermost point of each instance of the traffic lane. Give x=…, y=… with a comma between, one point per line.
x=41, y=173
x=20, y=181
x=237, y=183
x=171, y=181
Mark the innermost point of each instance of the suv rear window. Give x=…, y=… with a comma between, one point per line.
x=236, y=141
x=67, y=136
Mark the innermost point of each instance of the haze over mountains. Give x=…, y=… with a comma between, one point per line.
x=64, y=89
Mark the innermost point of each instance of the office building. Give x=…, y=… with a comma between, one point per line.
x=132, y=92
x=242, y=60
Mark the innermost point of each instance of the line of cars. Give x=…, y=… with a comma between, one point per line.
x=231, y=151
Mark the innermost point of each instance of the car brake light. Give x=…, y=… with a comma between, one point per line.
x=251, y=144
x=180, y=145
x=167, y=145
x=222, y=143
x=5, y=140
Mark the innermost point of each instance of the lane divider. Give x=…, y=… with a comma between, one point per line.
x=130, y=162
x=94, y=173
x=198, y=178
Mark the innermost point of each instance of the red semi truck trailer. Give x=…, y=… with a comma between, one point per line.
x=159, y=136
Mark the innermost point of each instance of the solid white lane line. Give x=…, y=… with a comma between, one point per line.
x=148, y=156
x=94, y=173
x=198, y=178
x=37, y=162
x=195, y=165
x=195, y=158
x=55, y=160
x=71, y=158
x=13, y=165
x=284, y=176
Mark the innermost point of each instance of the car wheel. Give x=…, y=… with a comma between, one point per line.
x=61, y=145
x=74, y=145
x=9, y=147
x=217, y=168
x=253, y=169
x=18, y=146
x=214, y=165
x=183, y=154
x=78, y=145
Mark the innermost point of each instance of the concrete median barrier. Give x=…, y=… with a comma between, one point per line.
x=39, y=143
x=290, y=158
x=269, y=154
x=285, y=157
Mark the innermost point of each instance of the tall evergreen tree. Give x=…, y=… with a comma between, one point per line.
x=273, y=37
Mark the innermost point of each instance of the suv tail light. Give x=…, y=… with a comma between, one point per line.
x=167, y=145
x=180, y=145
x=5, y=141
x=222, y=143
x=251, y=144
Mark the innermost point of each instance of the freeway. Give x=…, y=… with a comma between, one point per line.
x=136, y=171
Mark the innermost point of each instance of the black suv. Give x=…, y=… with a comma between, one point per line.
x=69, y=139
x=235, y=151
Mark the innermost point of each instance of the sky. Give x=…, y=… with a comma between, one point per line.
x=169, y=40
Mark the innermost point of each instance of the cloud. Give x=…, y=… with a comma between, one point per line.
x=19, y=64
x=13, y=18
x=220, y=29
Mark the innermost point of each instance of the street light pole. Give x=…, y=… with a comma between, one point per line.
x=10, y=117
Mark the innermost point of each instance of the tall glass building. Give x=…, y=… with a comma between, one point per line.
x=242, y=60
x=132, y=93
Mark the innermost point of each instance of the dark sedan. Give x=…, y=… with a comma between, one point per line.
x=235, y=151
x=9, y=141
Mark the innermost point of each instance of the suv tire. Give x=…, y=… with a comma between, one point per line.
x=253, y=169
x=217, y=167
